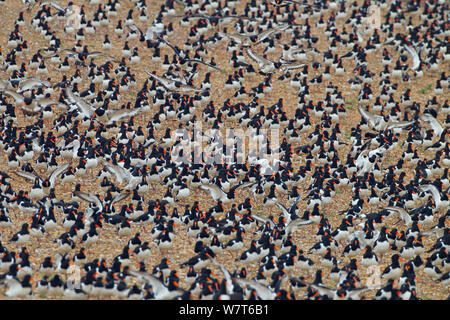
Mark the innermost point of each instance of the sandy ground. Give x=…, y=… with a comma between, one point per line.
x=109, y=244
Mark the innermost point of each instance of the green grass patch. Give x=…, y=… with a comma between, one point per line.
x=347, y=135
x=426, y=89
x=350, y=103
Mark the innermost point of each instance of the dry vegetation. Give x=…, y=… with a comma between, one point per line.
x=110, y=244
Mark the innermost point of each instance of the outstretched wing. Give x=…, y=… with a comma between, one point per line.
x=122, y=195
x=205, y=63
x=400, y=124
x=134, y=27
x=402, y=213
x=29, y=83
x=354, y=293
x=434, y=191
x=19, y=99
x=157, y=286
x=226, y=274
x=56, y=173
x=266, y=34
x=283, y=208
x=263, y=220
x=55, y=5
x=101, y=54
x=159, y=289
x=120, y=173
x=292, y=66
x=119, y=114
x=177, y=51
x=323, y=290
x=257, y=58
x=434, y=124
x=26, y=175
x=215, y=191
x=163, y=81
x=82, y=105
x=368, y=116
x=243, y=185
x=263, y=291
x=295, y=224
x=89, y=198
x=415, y=56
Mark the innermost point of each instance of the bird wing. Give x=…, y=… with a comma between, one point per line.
x=151, y=31
x=89, y=198
x=45, y=102
x=120, y=173
x=157, y=285
x=54, y=5
x=14, y=285
x=5, y=84
x=226, y=274
x=57, y=6
x=354, y=293
x=415, y=56
x=159, y=289
x=293, y=225
x=66, y=51
x=134, y=27
x=265, y=34
x=56, y=173
x=377, y=151
x=369, y=117
x=82, y=105
x=280, y=3
x=243, y=17
x=205, y=63
x=434, y=124
x=27, y=175
x=434, y=191
x=260, y=60
x=177, y=51
x=163, y=81
x=402, y=213
x=359, y=162
x=263, y=220
x=295, y=202
x=118, y=114
x=238, y=37
x=98, y=53
x=399, y=124
x=323, y=290
x=31, y=110
x=189, y=88
x=16, y=96
x=283, y=208
x=292, y=66
x=69, y=52
x=122, y=195
x=263, y=291
x=215, y=191
x=74, y=145
x=243, y=185
x=29, y=83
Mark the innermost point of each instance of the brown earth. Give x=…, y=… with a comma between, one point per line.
x=109, y=244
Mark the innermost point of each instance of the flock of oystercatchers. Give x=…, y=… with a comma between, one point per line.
x=118, y=90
